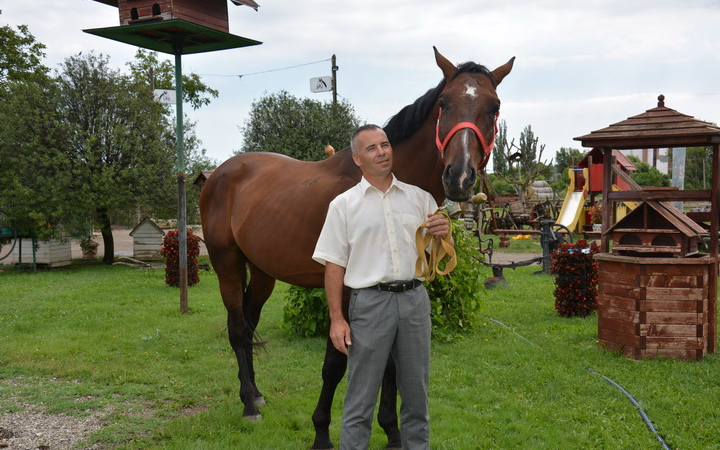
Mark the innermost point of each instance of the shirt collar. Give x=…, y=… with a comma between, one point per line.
x=365, y=185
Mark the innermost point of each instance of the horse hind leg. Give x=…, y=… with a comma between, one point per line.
x=387, y=411
x=230, y=267
x=258, y=291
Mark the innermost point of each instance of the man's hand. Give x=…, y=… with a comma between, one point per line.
x=340, y=335
x=438, y=225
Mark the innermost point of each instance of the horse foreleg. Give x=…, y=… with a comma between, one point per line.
x=387, y=412
x=333, y=371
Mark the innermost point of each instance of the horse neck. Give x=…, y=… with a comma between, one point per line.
x=416, y=161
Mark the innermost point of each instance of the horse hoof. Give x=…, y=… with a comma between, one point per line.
x=260, y=401
x=253, y=418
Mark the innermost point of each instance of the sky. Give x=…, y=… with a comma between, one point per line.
x=580, y=65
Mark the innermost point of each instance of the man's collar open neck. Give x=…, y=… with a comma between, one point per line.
x=383, y=185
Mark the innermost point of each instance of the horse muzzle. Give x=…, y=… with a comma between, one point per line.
x=459, y=182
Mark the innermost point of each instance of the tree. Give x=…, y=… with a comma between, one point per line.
x=299, y=128
x=500, y=162
x=698, y=168
x=20, y=54
x=116, y=145
x=161, y=75
x=35, y=174
x=524, y=162
x=565, y=158
x=646, y=175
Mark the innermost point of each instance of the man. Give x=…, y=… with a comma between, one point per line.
x=368, y=245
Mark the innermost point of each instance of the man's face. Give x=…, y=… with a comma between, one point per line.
x=374, y=156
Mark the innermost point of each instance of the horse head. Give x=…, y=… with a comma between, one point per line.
x=468, y=110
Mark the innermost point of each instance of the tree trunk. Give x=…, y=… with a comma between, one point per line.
x=108, y=242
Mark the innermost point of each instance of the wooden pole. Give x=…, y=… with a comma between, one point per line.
x=714, y=228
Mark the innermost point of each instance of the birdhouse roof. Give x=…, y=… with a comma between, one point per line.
x=638, y=218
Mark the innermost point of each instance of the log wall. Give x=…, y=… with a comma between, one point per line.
x=649, y=307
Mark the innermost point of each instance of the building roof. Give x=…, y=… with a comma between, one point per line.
x=597, y=157
x=150, y=223
x=659, y=127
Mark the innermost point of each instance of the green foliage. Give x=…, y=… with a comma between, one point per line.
x=646, y=175
x=299, y=128
x=20, y=55
x=148, y=68
x=565, y=158
x=306, y=312
x=698, y=168
x=455, y=298
x=519, y=166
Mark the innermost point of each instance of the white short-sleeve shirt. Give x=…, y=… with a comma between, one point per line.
x=372, y=233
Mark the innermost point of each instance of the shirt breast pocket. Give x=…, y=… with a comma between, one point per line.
x=410, y=224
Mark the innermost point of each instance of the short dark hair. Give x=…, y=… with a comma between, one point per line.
x=353, y=137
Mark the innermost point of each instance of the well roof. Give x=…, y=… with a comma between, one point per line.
x=658, y=127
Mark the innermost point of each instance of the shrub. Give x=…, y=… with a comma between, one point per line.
x=171, y=251
x=306, y=311
x=454, y=298
x=576, y=278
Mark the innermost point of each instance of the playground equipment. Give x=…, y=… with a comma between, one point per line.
x=586, y=182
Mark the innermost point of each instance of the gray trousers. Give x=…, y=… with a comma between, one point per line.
x=381, y=324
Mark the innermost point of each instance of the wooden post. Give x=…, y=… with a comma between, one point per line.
x=607, y=213
x=714, y=228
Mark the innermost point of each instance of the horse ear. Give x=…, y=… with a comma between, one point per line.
x=444, y=64
x=502, y=71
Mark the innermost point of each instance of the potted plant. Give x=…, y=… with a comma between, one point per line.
x=596, y=217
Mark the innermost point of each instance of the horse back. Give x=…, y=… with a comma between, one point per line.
x=271, y=209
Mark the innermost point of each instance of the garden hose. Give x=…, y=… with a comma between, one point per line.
x=635, y=403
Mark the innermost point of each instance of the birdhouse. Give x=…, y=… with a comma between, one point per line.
x=147, y=240
x=210, y=13
x=656, y=229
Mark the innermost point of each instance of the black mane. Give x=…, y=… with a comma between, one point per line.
x=406, y=122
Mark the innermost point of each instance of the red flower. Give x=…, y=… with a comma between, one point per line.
x=171, y=251
x=575, y=273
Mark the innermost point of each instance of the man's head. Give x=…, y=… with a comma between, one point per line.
x=371, y=151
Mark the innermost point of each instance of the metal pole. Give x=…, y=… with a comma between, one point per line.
x=182, y=218
x=334, y=79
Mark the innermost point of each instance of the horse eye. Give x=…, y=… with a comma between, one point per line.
x=441, y=103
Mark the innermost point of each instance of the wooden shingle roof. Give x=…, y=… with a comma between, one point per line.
x=659, y=127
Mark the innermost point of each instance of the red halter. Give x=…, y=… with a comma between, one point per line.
x=487, y=149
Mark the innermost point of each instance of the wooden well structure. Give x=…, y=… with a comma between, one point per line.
x=657, y=303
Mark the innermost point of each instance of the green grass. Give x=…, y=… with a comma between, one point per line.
x=90, y=338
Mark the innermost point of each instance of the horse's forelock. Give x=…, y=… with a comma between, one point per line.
x=409, y=119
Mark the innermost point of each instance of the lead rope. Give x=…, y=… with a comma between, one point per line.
x=428, y=265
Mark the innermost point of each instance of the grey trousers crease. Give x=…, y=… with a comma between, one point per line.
x=381, y=324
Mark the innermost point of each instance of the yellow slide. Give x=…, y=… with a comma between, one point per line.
x=572, y=207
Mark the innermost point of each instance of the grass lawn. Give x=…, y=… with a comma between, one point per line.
x=110, y=340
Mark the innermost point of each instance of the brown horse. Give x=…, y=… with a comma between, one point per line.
x=264, y=212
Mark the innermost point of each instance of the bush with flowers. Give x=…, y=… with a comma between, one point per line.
x=576, y=278
x=171, y=251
